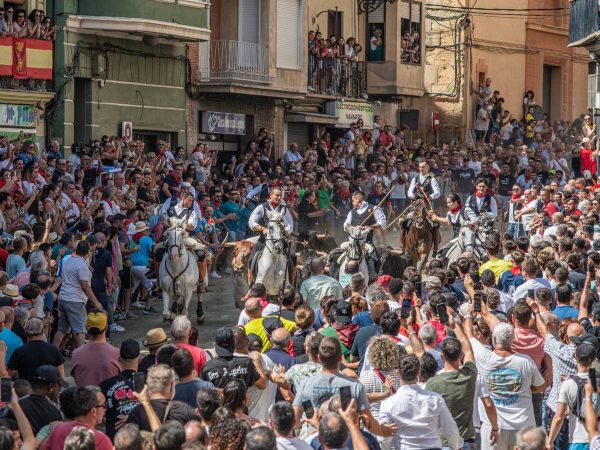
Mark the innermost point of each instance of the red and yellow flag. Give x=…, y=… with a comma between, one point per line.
x=25, y=58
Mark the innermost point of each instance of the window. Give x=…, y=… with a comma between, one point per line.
x=249, y=21
x=289, y=28
x=411, y=31
x=334, y=24
x=376, y=34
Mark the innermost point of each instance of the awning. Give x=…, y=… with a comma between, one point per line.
x=308, y=117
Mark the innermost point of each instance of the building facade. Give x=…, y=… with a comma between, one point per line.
x=124, y=61
x=520, y=45
x=261, y=71
x=26, y=88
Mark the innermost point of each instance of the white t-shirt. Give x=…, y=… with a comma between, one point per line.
x=479, y=412
x=292, y=443
x=509, y=380
x=74, y=271
x=568, y=395
x=262, y=399
x=535, y=284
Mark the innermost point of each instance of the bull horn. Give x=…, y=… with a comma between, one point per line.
x=395, y=252
x=321, y=236
x=229, y=244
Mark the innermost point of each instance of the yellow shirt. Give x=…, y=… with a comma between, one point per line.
x=256, y=327
x=498, y=266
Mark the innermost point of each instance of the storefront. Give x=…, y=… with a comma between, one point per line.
x=347, y=113
x=21, y=120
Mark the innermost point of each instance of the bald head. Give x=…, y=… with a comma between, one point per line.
x=9, y=316
x=252, y=308
x=557, y=218
x=280, y=338
x=575, y=329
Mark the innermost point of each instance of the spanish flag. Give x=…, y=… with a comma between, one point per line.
x=26, y=58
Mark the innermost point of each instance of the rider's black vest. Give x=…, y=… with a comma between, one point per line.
x=426, y=186
x=357, y=220
x=485, y=207
x=456, y=224
x=184, y=213
x=264, y=192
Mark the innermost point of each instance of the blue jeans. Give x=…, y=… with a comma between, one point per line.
x=104, y=299
x=516, y=229
x=466, y=446
x=562, y=439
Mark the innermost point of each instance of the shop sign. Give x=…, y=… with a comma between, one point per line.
x=348, y=112
x=127, y=131
x=223, y=123
x=24, y=116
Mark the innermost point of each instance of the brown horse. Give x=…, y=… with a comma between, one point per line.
x=421, y=236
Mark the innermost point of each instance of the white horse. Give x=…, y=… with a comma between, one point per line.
x=355, y=249
x=471, y=238
x=272, y=267
x=178, y=274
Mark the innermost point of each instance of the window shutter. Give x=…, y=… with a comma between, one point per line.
x=405, y=10
x=377, y=16
x=248, y=11
x=298, y=133
x=289, y=19
x=415, y=16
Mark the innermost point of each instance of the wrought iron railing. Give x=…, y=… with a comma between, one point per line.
x=583, y=20
x=337, y=76
x=234, y=61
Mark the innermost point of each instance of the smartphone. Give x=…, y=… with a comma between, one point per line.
x=477, y=301
x=419, y=289
x=592, y=271
x=592, y=375
x=5, y=389
x=476, y=280
x=345, y=396
x=406, y=309
x=139, y=380
x=309, y=410
x=442, y=313
x=531, y=293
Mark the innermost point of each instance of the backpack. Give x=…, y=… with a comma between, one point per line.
x=578, y=407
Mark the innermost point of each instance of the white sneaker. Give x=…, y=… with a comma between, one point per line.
x=137, y=305
x=228, y=271
x=215, y=275
x=116, y=328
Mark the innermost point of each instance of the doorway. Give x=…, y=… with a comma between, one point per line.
x=552, y=91
x=334, y=24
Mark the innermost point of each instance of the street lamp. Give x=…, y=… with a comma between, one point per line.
x=367, y=6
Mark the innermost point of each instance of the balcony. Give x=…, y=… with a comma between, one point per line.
x=337, y=77
x=233, y=61
x=583, y=22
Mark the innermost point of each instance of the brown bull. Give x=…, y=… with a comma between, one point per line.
x=242, y=275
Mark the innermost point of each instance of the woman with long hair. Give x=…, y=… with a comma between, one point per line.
x=234, y=399
x=454, y=216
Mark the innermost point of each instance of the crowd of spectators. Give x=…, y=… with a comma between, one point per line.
x=17, y=23
x=411, y=47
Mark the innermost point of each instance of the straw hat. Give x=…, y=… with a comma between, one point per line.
x=155, y=338
x=11, y=290
x=140, y=226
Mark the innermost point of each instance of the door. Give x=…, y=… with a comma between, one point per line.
x=246, y=49
x=82, y=121
x=552, y=91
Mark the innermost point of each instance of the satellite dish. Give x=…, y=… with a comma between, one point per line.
x=150, y=40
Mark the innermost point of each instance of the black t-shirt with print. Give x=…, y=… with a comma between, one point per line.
x=120, y=399
x=505, y=185
x=178, y=411
x=220, y=370
x=27, y=358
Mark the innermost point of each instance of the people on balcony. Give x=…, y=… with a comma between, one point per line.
x=20, y=27
x=19, y=24
x=411, y=47
x=333, y=65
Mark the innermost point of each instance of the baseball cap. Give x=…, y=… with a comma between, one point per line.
x=130, y=349
x=48, y=374
x=536, y=240
x=224, y=342
x=585, y=338
x=586, y=352
x=96, y=322
x=185, y=184
x=343, y=312
x=596, y=310
x=255, y=343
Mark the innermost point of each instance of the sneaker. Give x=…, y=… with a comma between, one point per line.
x=128, y=315
x=118, y=316
x=137, y=305
x=150, y=311
x=215, y=275
x=116, y=328
x=228, y=271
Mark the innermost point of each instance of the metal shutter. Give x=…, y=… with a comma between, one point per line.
x=248, y=21
x=377, y=16
x=289, y=18
x=298, y=133
x=415, y=15
x=405, y=10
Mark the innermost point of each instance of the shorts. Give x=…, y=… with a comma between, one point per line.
x=503, y=201
x=125, y=277
x=138, y=275
x=72, y=316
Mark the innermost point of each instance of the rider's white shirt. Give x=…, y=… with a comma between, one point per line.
x=378, y=215
x=192, y=220
x=472, y=215
x=259, y=213
x=421, y=179
x=164, y=210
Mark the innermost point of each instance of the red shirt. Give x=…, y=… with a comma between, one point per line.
x=587, y=162
x=550, y=209
x=61, y=431
x=198, y=355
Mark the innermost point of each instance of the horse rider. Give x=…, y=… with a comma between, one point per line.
x=174, y=200
x=261, y=192
x=258, y=222
x=365, y=216
x=423, y=186
x=455, y=215
x=480, y=202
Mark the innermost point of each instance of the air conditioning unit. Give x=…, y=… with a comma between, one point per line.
x=98, y=65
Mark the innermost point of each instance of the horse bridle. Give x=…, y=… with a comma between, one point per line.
x=360, y=250
x=178, y=246
x=280, y=223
